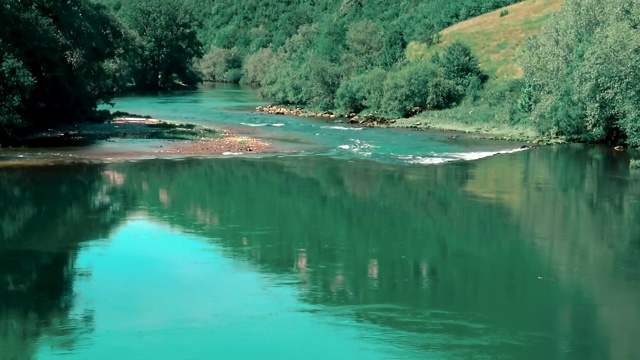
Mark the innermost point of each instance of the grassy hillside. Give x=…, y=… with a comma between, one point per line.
x=495, y=39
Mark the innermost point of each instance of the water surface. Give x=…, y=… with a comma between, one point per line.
x=324, y=254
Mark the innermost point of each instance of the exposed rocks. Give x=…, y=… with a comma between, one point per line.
x=368, y=120
x=372, y=120
x=280, y=110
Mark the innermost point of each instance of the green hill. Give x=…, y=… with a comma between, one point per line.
x=495, y=39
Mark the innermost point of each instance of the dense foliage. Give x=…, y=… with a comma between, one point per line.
x=333, y=55
x=164, y=44
x=59, y=60
x=583, y=71
x=52, y=57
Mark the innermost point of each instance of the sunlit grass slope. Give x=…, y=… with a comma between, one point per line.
x=495, y=39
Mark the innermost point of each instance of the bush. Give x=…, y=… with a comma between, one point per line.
x=418, y=85
x=373, y=88
x=284, y=84
x=504, y=13
x=362, y=92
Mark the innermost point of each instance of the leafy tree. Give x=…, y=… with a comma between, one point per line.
x=583, y=68
x=322, y=83
x=362, y=92
x=394, y=45
x=221, y=65
x=257, y=64
x=364, y=47
x=52, y=61
x=16, y=84
x=420, y=85
x=350, y=97
x=460, y=65
x=167, y=41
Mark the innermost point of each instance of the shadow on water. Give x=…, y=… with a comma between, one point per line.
x=43, y=221
x=533, y=254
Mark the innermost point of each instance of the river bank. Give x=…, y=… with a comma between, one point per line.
x=131, y=138
x=431, y=120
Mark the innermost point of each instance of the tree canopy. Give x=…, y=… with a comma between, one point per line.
x=583, y=70
x=60, y=59
x=52, y=57
x=167, y=43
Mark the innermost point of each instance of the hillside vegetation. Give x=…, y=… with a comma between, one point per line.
x=495, y=37
x=577, y=79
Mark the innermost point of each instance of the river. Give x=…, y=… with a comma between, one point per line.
x=371, y=243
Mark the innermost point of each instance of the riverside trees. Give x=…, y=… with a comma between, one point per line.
x=582, y=72
x=52, y=57
x=60, y=59
x=165, y=41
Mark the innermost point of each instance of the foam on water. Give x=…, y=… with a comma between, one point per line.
x=434, y=158
x=343, y=128
x=482, y=154
x=254, y=125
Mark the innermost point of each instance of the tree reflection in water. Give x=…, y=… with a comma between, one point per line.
x=532, y=245
x=46, y=214
x=425, y=248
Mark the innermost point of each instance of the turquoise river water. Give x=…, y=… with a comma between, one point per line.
x=348, y=244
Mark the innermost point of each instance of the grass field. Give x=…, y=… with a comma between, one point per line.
x=495, y=39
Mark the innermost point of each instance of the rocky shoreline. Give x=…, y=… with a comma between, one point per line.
x=368, y=120
x=422, y=122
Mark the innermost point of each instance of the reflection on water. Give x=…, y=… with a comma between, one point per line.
x=527, y=255
x=46, y=214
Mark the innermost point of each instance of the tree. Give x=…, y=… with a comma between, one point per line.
x=167, y=42
x=257, y=64
x=222, y=65
x=419, y=85
x=52, y=57
x=16, y=84
x=393, y=47
x=584, y=69
x=460, y=65
x=364, y=46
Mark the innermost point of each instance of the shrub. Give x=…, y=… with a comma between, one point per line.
x=362, y=92
x=504, y=13
x=418, y=85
